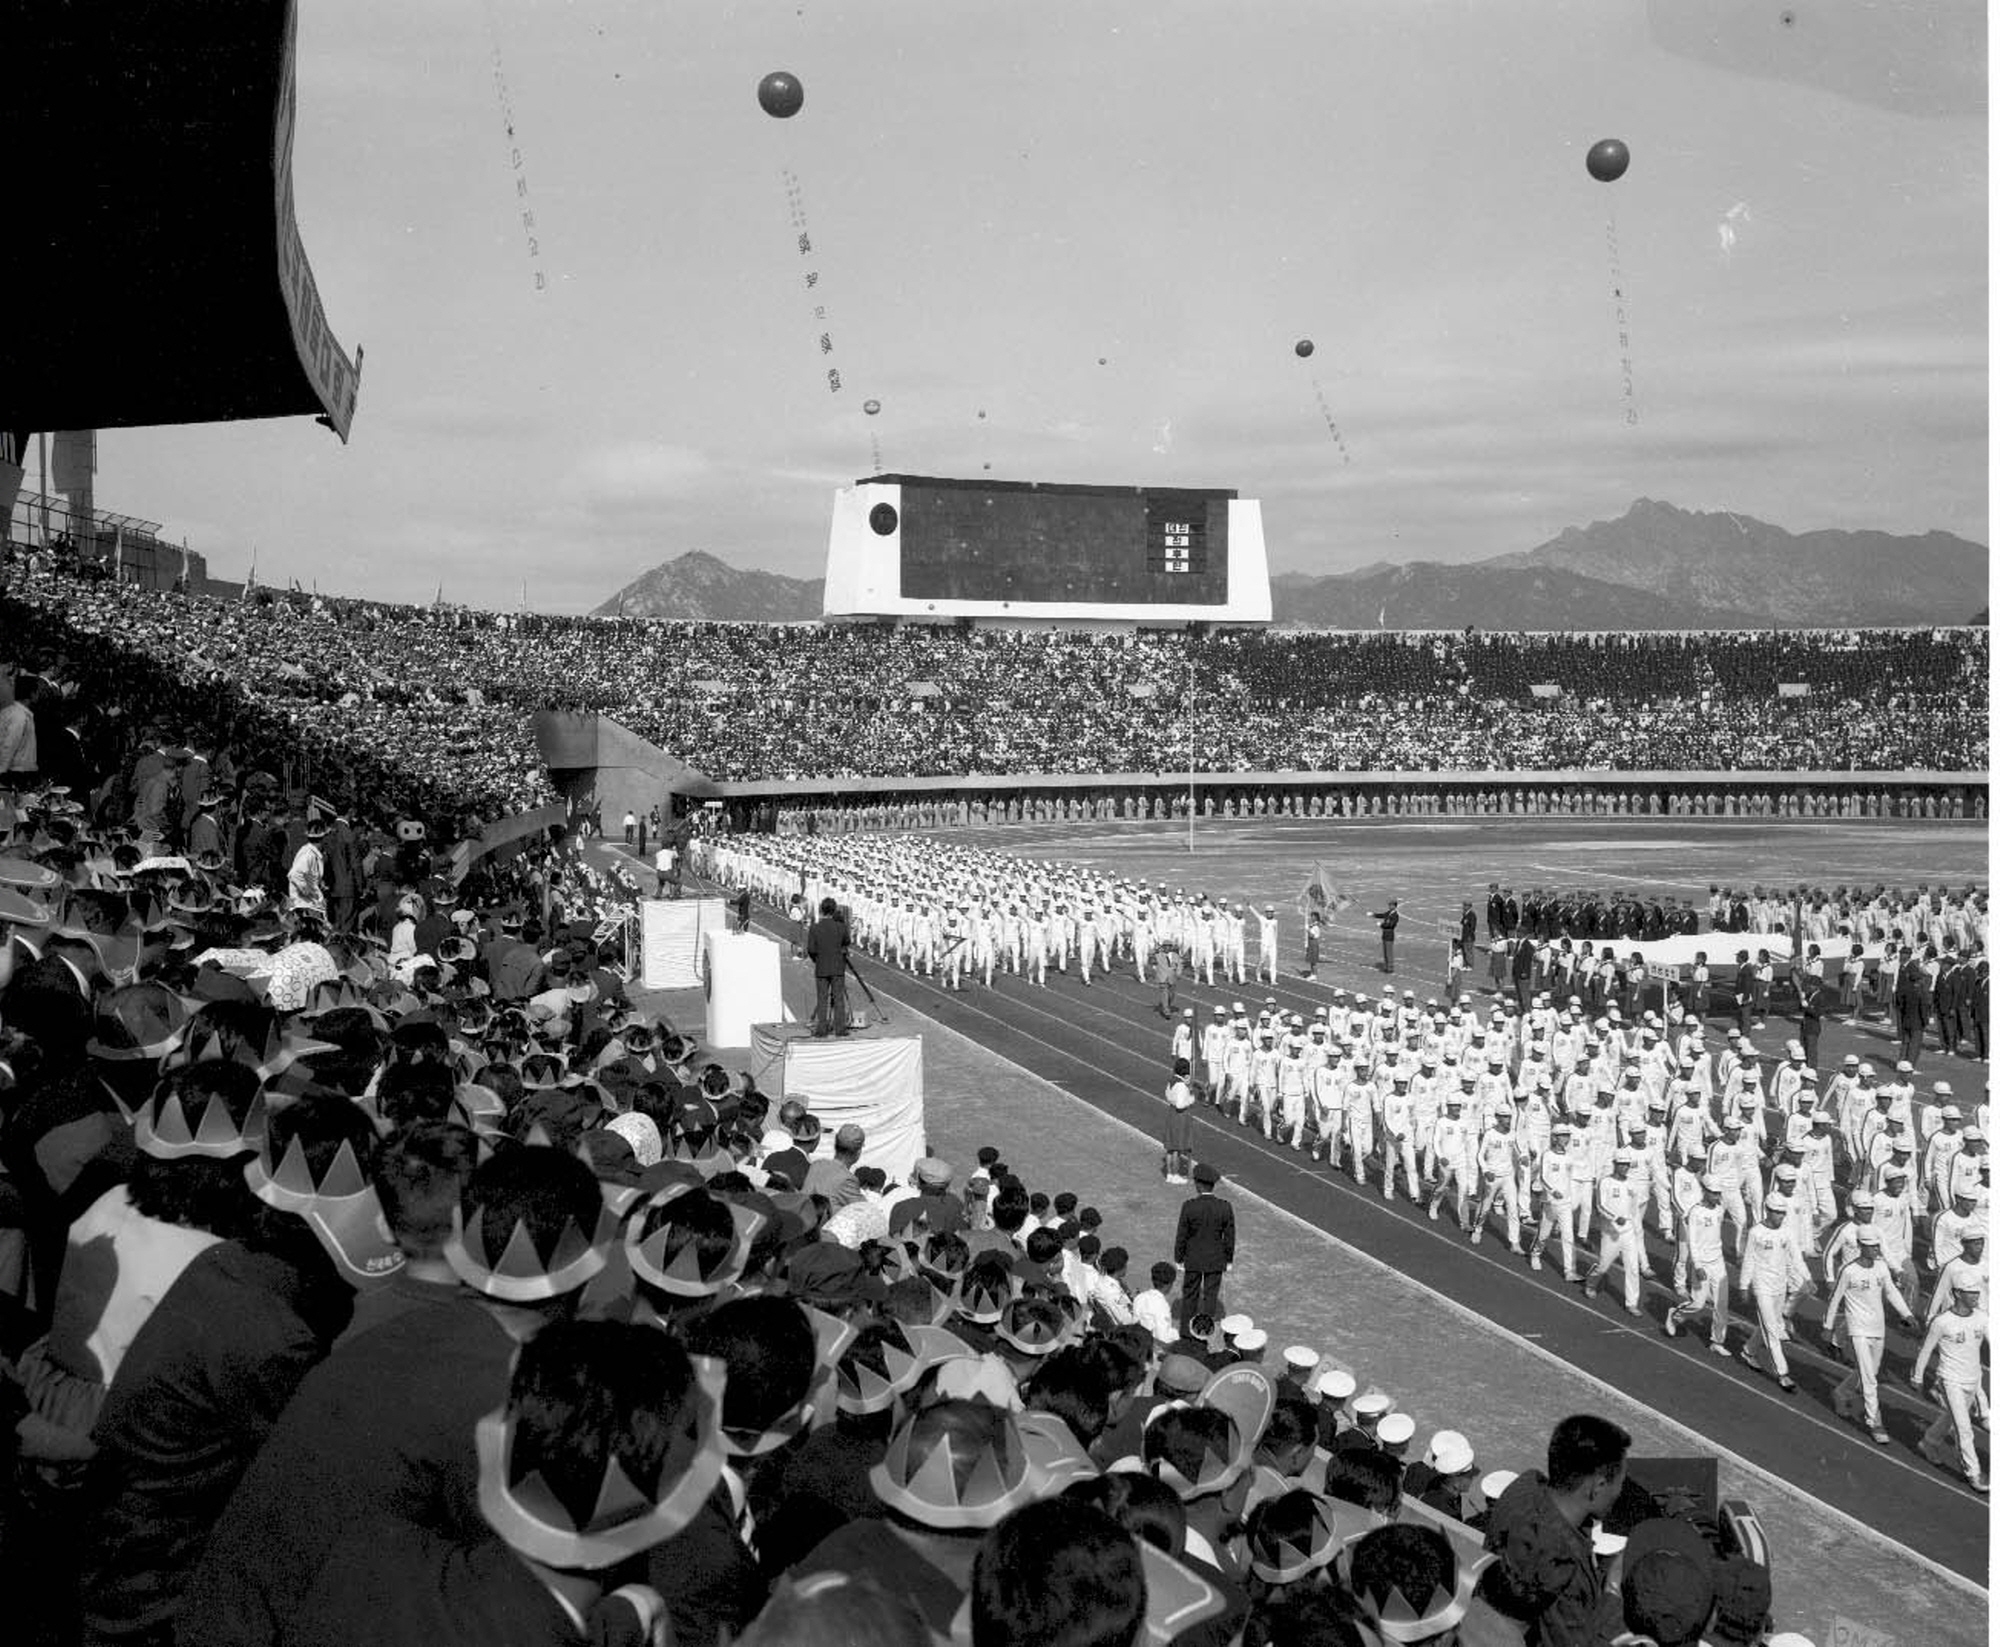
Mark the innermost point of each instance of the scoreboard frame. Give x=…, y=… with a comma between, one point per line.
x=937, y=548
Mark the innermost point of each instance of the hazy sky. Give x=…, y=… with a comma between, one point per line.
x=1104, y=224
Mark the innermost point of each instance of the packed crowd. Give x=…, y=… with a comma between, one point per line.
x=407, y=1286
x=451, y=690
x=1571, y=1109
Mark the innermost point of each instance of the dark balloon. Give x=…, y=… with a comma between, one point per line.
x=1607, y=160
x=1303, y=348
x=871, y=407
x=780, y=95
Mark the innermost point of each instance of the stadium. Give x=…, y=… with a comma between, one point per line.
x=1052, y=1101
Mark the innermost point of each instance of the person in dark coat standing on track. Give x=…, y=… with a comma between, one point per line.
x=1388, y=919
x=826, y=948
x=1522, y=968
x=1813, y=995
x=1911, y=1010
x=1468, y=932
x=1204, y=1246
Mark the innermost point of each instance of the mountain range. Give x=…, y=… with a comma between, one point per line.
x=1654, y=567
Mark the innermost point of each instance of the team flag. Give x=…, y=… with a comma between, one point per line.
x=1321, y=896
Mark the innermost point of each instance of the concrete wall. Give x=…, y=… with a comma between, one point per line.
x=596, y=763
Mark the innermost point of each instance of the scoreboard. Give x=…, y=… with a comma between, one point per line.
x=921, y=546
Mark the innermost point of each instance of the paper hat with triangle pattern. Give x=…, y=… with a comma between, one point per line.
x=1400, y=1618
x=1334, y=1526
x=355, y=1235
x=682, y=1274
x=532, y=1521
x=278, y=1051
x=1034, y=1326
x=1217, y=1471
x=161, y=1129
x=290, y=1185
x=980, y=1305
x=922, y=1482
x=137, y=1023
x=517, y=1274
x=1177, y=1600
x=861, y=1389
x=831, y=1338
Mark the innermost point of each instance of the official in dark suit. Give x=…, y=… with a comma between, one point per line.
x=1813, y=995
x=1388, y=919
x=1204, y=1246
x=826, y=948
x=1911, y=1011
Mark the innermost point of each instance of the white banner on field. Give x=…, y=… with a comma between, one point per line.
x=670, y=935
x=1721, y=947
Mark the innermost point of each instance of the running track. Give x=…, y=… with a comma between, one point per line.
x=1107, y=1045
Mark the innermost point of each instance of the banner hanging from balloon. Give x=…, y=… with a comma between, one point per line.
x=795, y=203
x=1332, y=427
x=1618, y=308
x=523, y=203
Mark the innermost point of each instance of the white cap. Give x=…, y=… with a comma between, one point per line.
x=1941, y=1088
x=1495, y=1482
x=1395, y=1429
x=1788, y=1638
x=1372, y=1402
x=1253, y=1339
x=1301, y=1356
x=1448, y=1453
x=1333, y=1384
x=1235, y=1326
x=1868, y=1236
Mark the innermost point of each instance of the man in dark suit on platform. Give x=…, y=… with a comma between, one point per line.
x=826, y=948
x=1204, y=1245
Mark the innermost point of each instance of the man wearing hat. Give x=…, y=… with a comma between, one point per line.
x=1301, y=1361
x=1965, y=1267
x=1773, y=1274
x=1856, y=1313
x=1956, y=1337
x=1707, y=1270
x=1204, y=1245
x=1618, y=1206
x=1445, y=1477
x=1667, y=1583
x=939, y=1211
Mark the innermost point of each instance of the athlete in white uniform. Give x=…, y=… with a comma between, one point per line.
x=1618, y=1209
x=1855, y=1313
x=1773, y=1272
x=1955, y=1338
x=1707, y=1269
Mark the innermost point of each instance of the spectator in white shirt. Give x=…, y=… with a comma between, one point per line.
x=1153, y=1310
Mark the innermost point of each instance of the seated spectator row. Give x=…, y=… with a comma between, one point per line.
x=437, y=700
